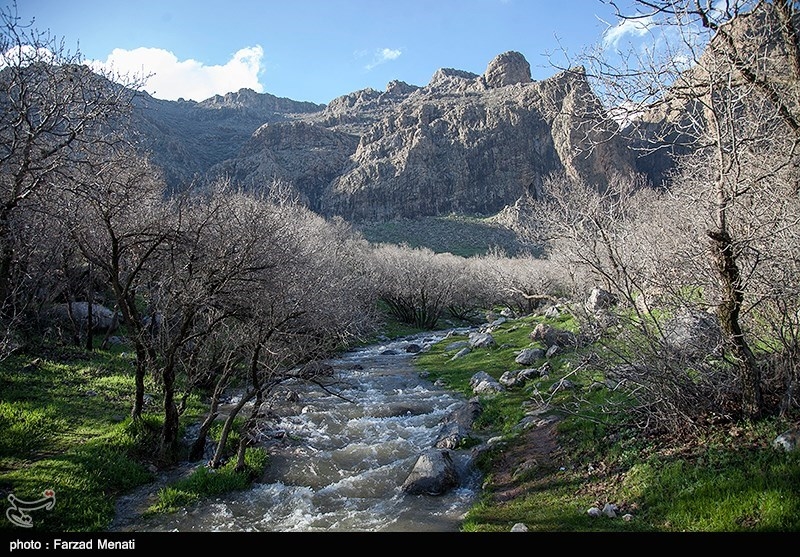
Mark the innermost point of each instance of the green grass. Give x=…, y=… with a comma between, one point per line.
x=85, y=478
x=205, y=482
x=460, y=235
x=727, y=487
x=65, y=426
x=729, y=479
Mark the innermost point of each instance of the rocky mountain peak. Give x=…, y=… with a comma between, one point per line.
x=247, y=99
x=242, y=97
x=452, y=79
x=397, y=88
x=464, y=143
x=506, y=69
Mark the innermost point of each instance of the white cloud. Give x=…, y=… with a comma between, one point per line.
x=24, y=55
x=172, y=79
x=627, y=27
x=384, y=55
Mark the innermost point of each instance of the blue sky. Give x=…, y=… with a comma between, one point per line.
x=316, y=50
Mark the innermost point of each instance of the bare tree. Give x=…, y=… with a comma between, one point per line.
x=723, y=96
x=51, y=107
x=281, y=286
x=415, y=283
x=116, y=214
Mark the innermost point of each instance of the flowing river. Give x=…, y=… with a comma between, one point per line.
x=339, y=462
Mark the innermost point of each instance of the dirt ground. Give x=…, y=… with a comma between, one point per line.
x=534, y=452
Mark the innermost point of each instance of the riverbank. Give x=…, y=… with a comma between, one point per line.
x=64, y=429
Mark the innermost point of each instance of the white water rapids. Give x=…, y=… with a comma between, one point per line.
x=341, y=461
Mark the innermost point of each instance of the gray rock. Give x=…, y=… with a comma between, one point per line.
x=488, y=387
x=610, y=510
x=599, y=299
x=551, y=336
x=457, y=425
x=693, y=332
x=552, y=312
x=528, y=356
x=103, y=319
x=481, y=340
x=434, y=473
x=508, y=313
x=787, y=441
x=479, y=377
x=458, y=345
x=563, y=384
x=483, y=383
x=461, y=353
x=510, y=379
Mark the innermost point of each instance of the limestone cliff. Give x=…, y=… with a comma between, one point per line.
x=464, y=143
x=187, y=138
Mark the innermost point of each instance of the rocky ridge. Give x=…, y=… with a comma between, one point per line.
x=186, y=138
x=464, y=143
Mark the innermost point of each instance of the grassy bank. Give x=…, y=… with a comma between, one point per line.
x=460, y=235
x=64, y=427
x=727, y=478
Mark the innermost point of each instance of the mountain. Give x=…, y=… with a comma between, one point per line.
x=464, y=143
x=187, y=138
x=748, y=70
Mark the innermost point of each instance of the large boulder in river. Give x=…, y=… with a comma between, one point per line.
x=433, y=474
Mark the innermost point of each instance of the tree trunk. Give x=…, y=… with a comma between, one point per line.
x=226, y=429
x=90, y=312
x=141, y=370
x=732, y=298
x=169, y=433
x=199, y=445
x=245, y=440
x=6, y=263
x=250, y=424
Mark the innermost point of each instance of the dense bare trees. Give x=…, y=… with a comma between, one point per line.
x=53, y=110
x=715, y=100
x=214, y=289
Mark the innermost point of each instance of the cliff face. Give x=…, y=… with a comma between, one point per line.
x=306, y=157
x=187, y=138
x=748, y=66
x=464, y=143
x=474, y=144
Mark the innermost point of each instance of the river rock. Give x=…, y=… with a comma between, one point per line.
x=433, y=474
x=457, y=425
